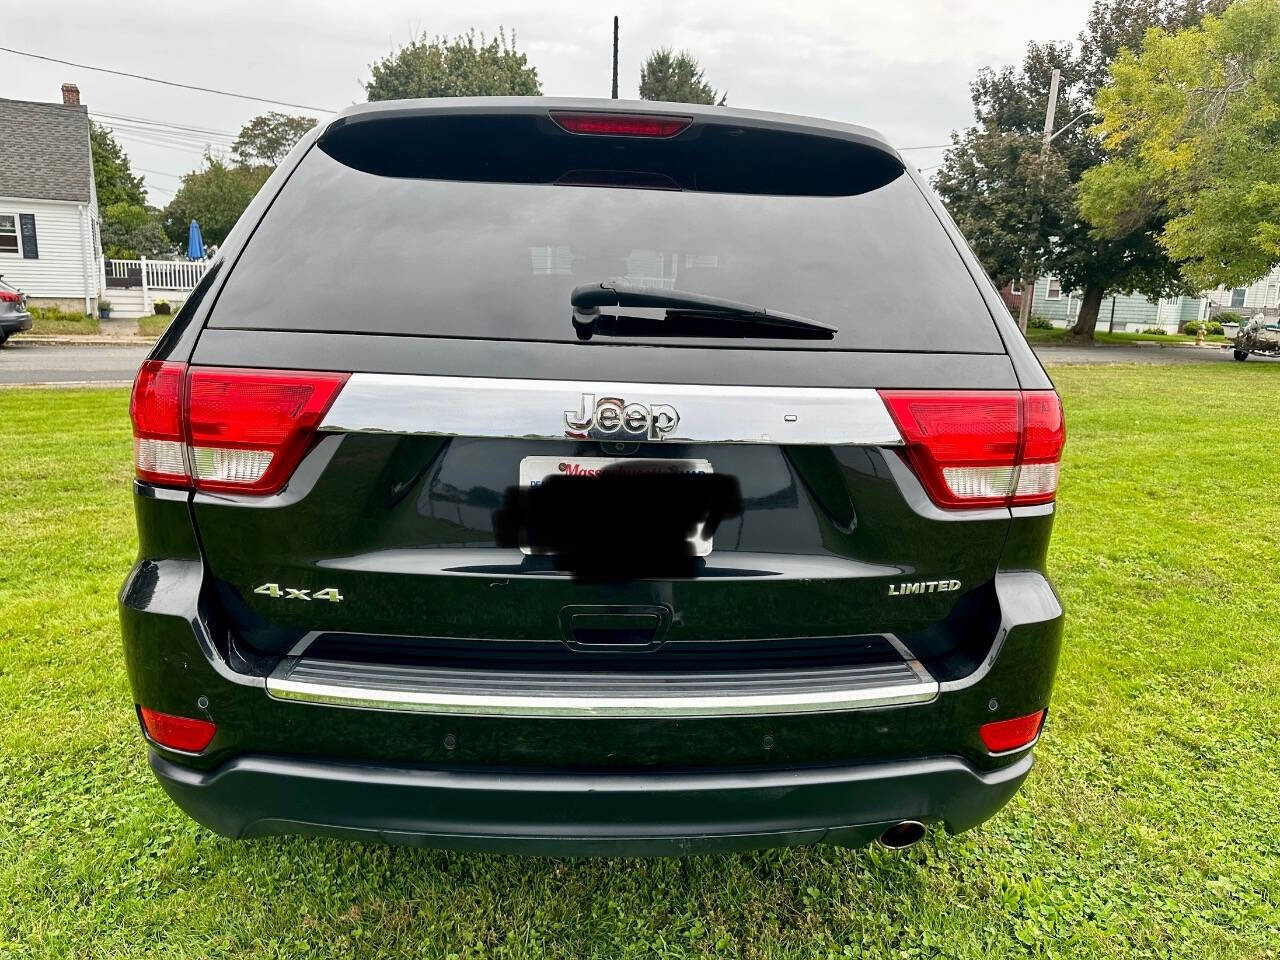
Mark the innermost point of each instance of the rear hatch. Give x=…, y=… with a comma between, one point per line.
x=432, y=255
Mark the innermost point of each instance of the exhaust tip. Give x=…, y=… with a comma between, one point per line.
x=905, y=834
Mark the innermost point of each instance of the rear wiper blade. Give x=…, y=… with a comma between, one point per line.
x=589, y=298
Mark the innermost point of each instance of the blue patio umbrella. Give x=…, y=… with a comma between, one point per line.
x=195, y=242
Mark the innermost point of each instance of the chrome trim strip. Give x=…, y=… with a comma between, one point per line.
x=924, y=689
x=536, y=409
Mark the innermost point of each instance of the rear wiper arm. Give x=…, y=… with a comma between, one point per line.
x=590, y=297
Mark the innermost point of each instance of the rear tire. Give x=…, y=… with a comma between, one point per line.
x=3, y=337
x=1241, y=354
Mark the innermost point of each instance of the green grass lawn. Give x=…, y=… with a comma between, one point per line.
x=154, y=325
x=48, y=321
x=1150, y=826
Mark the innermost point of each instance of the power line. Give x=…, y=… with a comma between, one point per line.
x=160, y=123
x=167, y=83
x=161, y=173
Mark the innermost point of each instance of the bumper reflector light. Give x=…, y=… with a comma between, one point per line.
x=177, y=733
x=1002, y=736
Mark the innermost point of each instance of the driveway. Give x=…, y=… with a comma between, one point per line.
x=38, y=363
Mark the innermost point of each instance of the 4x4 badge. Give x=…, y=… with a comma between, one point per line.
x=610, y=418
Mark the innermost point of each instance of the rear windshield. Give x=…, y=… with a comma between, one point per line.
x=349, y=250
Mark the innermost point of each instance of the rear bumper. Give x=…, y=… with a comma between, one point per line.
x=15, y=323
x=586, y=814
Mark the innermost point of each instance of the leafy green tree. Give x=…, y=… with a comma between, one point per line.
x=215, y=196
x=461, y=67
x=130, y=231
x=1056, y=236
x=113, y=179
x=269, y=138
x=1192, y=124
x=1006, y=197
x=677, y=78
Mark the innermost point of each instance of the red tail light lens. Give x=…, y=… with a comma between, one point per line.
x=621, y=124
x=249, y=428
x=155, y=407
x=8, y=296
x=981, y=448
x=225, y=429
x=1004, y=735
x=177, y=733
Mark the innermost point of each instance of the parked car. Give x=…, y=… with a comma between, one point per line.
x=680, y=484
x=14, y=317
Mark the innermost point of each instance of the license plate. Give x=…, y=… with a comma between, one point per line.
x=535, y=470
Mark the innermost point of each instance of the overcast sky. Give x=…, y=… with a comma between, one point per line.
x=901, y=66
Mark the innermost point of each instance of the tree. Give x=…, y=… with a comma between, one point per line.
x=269, y=138
x=1192, y=126
x=677, y=78
x=214, y=196
x=461, y=67
x=130, y=231
x=113, y=179
x=1005, y=196
x=1012, y=102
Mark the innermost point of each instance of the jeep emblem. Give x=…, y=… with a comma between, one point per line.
x=610, y=418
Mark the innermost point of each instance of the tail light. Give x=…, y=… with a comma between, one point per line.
x=225, y=429
x=177, y=733
x=8, y=296
x=981, y=448
x=1002, y=736
x=621, y=124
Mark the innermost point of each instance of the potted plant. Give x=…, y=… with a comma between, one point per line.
x=104, y=309
x=162, y=308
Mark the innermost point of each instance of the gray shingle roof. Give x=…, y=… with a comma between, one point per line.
x=44, y=151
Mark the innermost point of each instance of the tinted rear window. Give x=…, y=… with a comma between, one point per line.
x=346, y=249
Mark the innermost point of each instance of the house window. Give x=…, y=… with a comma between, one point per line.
x=1055, y=289
x=1237, y=297
x=8, y=233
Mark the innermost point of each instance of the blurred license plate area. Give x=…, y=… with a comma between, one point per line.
x=603, y=515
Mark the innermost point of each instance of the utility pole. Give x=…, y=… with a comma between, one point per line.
x=1029, y=284
x=615, y=58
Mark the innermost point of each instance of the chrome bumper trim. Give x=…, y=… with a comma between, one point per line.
x=418, y=690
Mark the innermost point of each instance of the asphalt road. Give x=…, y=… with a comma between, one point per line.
x=1153, y=354
x=29, y=363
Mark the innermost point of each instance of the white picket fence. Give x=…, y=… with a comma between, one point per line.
x=146, y=281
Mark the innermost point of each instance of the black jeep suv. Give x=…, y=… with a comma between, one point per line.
x=591, y=476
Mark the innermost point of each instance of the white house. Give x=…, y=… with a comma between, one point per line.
x=49, y=236
x=1259, y=295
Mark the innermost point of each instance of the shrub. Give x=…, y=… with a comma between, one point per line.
x=55, y=315
x=163, y=308
x=1192, y=327
x=1213, y=328
x=52, y=320
x=1037, y=322
x=1156, y=331
x=1228, y=317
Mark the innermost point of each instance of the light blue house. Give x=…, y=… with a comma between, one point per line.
x=1119, y=313
x=1132, y=312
